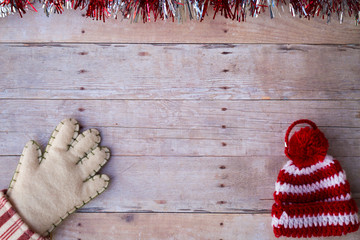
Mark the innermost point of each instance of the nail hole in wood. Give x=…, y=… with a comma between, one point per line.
x=128, y=218
x=143, y=54
x=225, y=88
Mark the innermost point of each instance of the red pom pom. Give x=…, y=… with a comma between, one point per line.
x=307, y=146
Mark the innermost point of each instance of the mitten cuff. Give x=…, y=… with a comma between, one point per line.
x=315, y=219
x=12, y=227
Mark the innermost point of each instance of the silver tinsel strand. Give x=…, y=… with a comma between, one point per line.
x=6, y=9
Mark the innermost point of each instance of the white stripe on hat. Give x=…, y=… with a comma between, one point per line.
x=339, y=198
x=314, y=221
x=294, y=170
x=336, y=179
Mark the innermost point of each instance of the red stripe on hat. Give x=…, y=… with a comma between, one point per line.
x=323, y=173
x=6, y=216
x=26, y=235
x=314, y=209
x=323, y=231
x=320, y=195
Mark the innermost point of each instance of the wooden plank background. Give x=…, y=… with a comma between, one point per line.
x=194, y=114
x=72, y=26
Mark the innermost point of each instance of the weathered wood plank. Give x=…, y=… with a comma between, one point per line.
x=72, y=27
x=190, y=184
x=182, y=128
x=120, y=71
x=113, y=226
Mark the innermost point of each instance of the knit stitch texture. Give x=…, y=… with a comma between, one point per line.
x=312, y=196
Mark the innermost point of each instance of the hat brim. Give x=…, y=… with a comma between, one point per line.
x=315, y=219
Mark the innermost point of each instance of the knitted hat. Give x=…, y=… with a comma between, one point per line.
x=312, y=195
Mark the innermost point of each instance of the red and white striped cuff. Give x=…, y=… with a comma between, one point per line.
x=12, y=227
x=315, y=219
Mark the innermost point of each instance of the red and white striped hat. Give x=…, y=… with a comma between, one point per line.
x=312, y=195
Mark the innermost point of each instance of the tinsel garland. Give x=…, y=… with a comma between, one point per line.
x=179, y=10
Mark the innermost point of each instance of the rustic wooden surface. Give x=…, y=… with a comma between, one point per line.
x=194, y=114
x=71, y=26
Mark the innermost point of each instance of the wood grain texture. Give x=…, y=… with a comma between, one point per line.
x=183, y=71
x=190, y=184
x=169, y=154
x=72, y=27
x=113, y=226
x=183, y=128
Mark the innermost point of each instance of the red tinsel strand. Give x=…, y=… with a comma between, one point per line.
x=353, y=5
x=58, y=7
x=313, y=8
x=81, y=4
x=19, y=5
x=140, y=8
x=97, y=9
x=223, y=7
x=239, y=10
x=252, y=6
x=203, y=4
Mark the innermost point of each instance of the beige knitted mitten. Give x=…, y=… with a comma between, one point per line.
x=46, y=188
